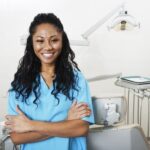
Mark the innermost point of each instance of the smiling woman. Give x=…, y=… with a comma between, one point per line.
x=49, y=100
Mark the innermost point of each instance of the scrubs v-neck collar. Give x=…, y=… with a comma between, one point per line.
x=44, y=86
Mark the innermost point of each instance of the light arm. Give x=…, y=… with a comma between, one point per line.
x=102, y=21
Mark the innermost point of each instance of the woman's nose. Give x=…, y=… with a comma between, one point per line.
x=48, y=45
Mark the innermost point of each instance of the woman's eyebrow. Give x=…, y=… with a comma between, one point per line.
x=40, y=36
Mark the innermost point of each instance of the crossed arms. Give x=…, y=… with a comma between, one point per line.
x=24, y=130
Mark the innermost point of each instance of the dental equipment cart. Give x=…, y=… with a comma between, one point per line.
x=136, y=94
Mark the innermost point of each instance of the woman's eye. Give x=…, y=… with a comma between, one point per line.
x=54, y=40
x=39, y=41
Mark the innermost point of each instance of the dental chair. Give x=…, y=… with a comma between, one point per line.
x=5, y=140
x=110, y=131
x=127, y=137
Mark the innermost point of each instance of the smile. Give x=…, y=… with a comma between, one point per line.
x=48, y=55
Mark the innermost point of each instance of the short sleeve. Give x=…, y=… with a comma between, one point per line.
x=12, y=103
x=85, y=96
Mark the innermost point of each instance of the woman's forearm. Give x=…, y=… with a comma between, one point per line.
x=68, y=128
x=27, y=137
x=44, y=130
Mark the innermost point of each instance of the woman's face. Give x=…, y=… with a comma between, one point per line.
x=47, y=43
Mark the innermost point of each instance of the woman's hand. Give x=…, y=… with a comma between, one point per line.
x=18, y=123
x=78, y=111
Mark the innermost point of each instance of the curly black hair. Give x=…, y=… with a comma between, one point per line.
x=27, y=78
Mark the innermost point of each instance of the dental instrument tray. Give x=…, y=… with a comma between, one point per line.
x=136, y=79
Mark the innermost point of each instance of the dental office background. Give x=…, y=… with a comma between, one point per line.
x=108, y=52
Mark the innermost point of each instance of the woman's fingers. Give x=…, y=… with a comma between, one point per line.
x=8, y=123
x=81, y=104
x=9, y=126
x=87, y=111
x=78, y=110
x=82, y=108
x=9, y=118
x=85, y=114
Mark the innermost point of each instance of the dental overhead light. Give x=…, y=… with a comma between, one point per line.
x=122, y=22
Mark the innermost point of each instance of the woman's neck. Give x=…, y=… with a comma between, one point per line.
x=48, y=69
x=48, y=74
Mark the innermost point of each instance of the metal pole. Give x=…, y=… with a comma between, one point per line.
x=148, y=121
x=138, y=119
x=128, y=106
x=133, y=107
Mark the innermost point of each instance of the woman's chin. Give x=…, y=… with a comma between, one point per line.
x=48, y=62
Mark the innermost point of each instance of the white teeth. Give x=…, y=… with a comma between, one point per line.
x=47, y=55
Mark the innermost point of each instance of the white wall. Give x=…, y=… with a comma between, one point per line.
x=109, y=52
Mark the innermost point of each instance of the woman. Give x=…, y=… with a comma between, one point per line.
x=49, y=102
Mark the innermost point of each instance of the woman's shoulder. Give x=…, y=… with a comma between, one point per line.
x=11, y=94
x=80, y=78
x=78, y=73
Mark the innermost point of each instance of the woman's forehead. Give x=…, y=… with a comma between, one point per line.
x=46, y=30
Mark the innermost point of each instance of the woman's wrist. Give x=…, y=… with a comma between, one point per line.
x=31, y=125
x=36, y=126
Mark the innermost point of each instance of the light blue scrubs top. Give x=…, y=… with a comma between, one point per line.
x=49, y=110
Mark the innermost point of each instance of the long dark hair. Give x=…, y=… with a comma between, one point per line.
x=27, y=78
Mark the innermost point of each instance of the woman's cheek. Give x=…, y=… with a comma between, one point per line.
x=38, y=47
